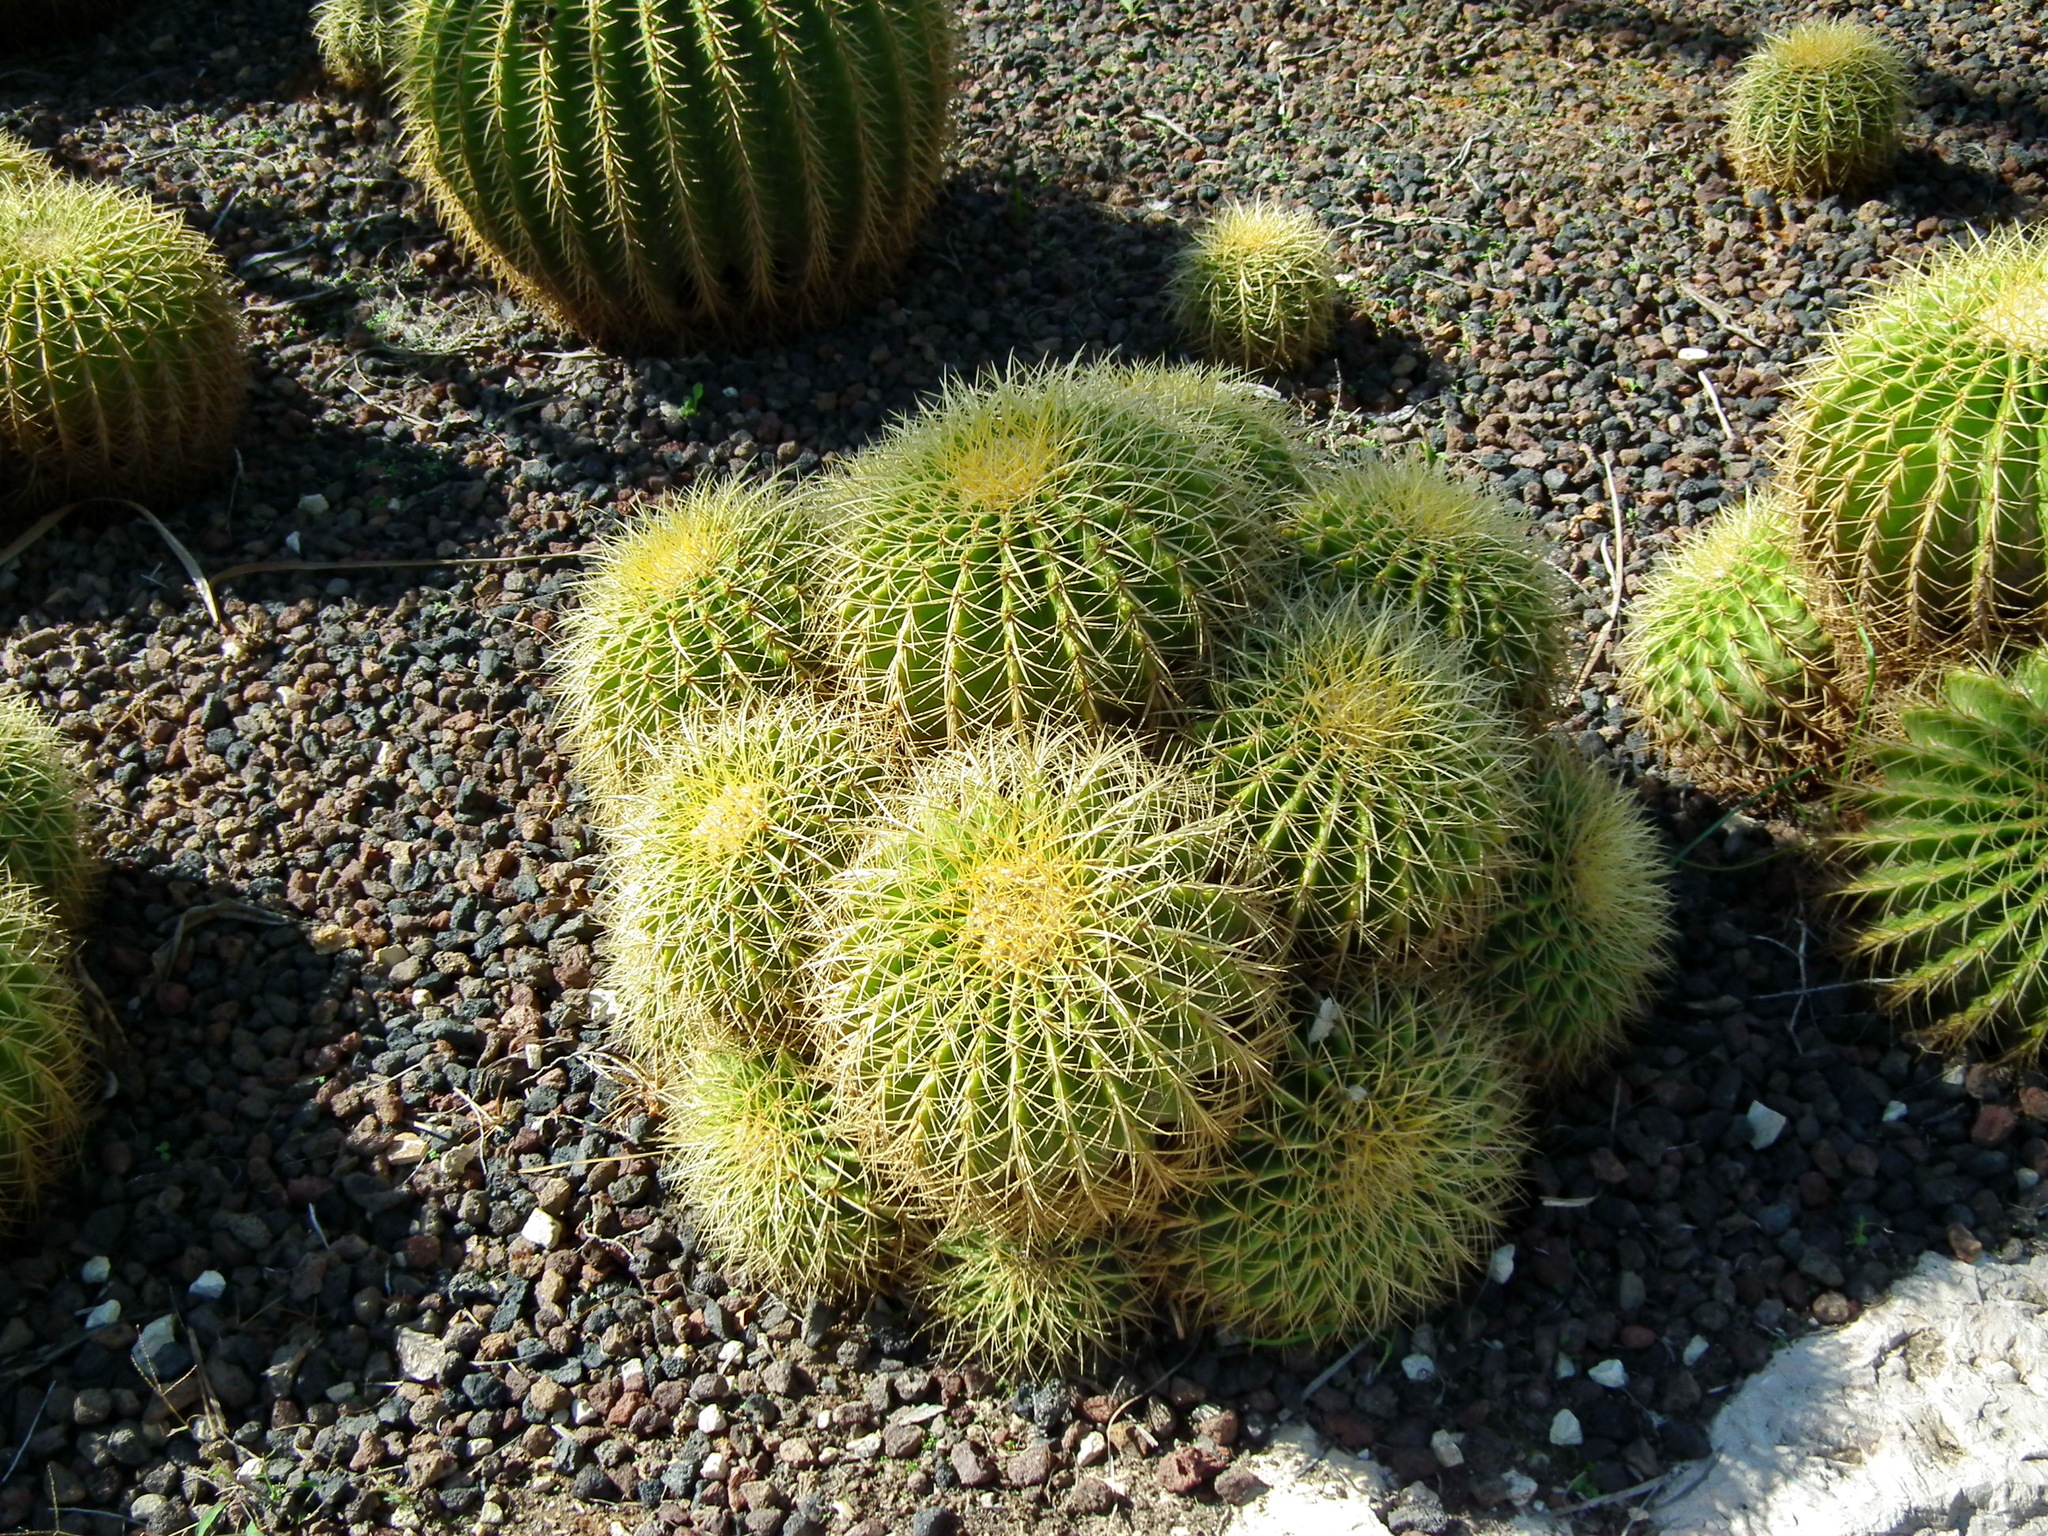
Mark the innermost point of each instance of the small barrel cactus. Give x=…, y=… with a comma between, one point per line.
x=1045, y=547
x=1359, y=1196
x=1585, y=922
x=663, y=170
x=773, y=1186
x=20, y=160
x=1730, y=667
x=1257, y=287
x=121, y=360
x=1411, y=536
x=1919, y=452
x=1952, y=899
x=1033, y=1310
x=1378, y=771
x=1816, y=109
x=1048, y=983
x=44, y=1055
x=717, y=857
x=42, y=813
x=358, y=40
x=699, y=602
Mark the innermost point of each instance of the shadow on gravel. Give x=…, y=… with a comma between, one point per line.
x=191, y=74
x=1677, y=25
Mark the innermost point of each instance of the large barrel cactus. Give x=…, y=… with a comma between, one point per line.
x=655, y=170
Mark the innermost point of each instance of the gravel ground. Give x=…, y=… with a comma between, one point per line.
x=345, y=949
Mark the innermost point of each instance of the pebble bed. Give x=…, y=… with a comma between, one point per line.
x=364, y=1144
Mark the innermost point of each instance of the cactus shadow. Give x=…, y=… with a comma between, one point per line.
x=1679, y=26
x=1923, y=184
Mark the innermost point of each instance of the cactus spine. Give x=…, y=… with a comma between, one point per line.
x=1816, y=110
x=662, y=170
x=1257, y=287
x=1033, y=1310
x=42, y=815
x=21, y=161
x=43, y=1055
x=358, y=40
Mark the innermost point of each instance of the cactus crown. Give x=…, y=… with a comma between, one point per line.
x=1257, y=287
x=2018, y=316
x=1816, y=109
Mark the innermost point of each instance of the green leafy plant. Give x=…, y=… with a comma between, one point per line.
x=1051, y=545
x=698, y=602
x=1409, y=535
x=1920, y=448
x=42, y=812
x=659, y=171
x=1730, y=665
x=1585, y=923
x=1375, y=1176
x=359, y=40
x=1816, y=109
x=1380, y=773
x=44, y=1057
x=121, y=361
x=1047, y=983
x=1034, y=1310
x=1257, y=287
x=1951, y=900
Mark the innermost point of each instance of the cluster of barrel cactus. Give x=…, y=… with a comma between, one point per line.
x=1088, y=854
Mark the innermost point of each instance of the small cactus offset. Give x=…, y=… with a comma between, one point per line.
x=1951, y=899
x=699, y=602
x=717, y=858
x=1816, y=110
x=42, y=813
x=1919, y=452
x=1257, y=287
x=1391, y=1149
x=1034, y=1310
x=1585, y=924
x=21, y=161
x=358, y=40
x=1379, y=772
x=44, y=1057
x=1050, y=546
x=774, y=1187
x=1048, y=983
x=1407, y=534
x=1732, y=670
x=121, y=361
x=661, y=170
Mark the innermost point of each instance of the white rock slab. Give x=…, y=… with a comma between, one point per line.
x=1316, y=1489
x=1930, y=1408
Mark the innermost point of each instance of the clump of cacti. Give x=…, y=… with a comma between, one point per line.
x=774, y=1185
x=1731, y=666
x=1409, y=535
x=1584, y=924
x=697, y=603
x=1816, y=109
x=1047, y=983
x=20, y=160
x=1049, y=545
x=42, y=815
x=1257, y=287
x=1030, y=1309
x=121, y=360
x=722, y=847
x=1920, y=448
x=1387, y=1155
x=43, y=1057
x=662, y=171
x=359, y=40
x=1378, y=770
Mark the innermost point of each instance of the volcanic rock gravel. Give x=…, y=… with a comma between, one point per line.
x=371, y=1202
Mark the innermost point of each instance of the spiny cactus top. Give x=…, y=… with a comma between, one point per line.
x=358, y=40
x=1046, y=546
x=660, y=170
x=1406, y=533
x=20, y=159
x=121, y=359
x=44, y=1073
x=1034, y=1311
x=1816, y=109
x=1920, y=451
x=1953, y=896
x=1048, y=982
x=1257, y=287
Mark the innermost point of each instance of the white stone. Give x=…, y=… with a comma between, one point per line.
x=1564, y=1369
x=1500, y=1269
x=1609, y=1373
x=1418, y=1368
x=97, y=1270
x=210, y=1286
x=420, y=1355
x=313, y=505
x=1092, y=1449
x=1519, y=1486
x=1765, y=1125
x=104, y=1315
x=1896, y=1422
x=1312, y=1488
x=1894, y=1110
x=1693, y=354
x=541, y=1230
x=1447, y=1449
x=1564, y=1429
x=711, y=1419
x=1695, y=1348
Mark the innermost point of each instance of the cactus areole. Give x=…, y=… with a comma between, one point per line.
x=656, y=171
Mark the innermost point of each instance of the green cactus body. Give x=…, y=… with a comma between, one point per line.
x=1243, y=416
x=1359, y=1196
x=659, y=171
x=1047, y=987
x=1585, y=922
x=1381, y=775
x=1034, y=1311
x=1047, y=547
x=21, y=161
x=774, y=1187
x=1919, y=452
x=1816, y=110
x=1730, y=666
x=1257, y=287
x=121, y=361
x=698, y=603
x=359, y=40
x=1951, y=899
x=42, y=815
x=716, y=859
x=1408, y=535
x=44, y=1060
